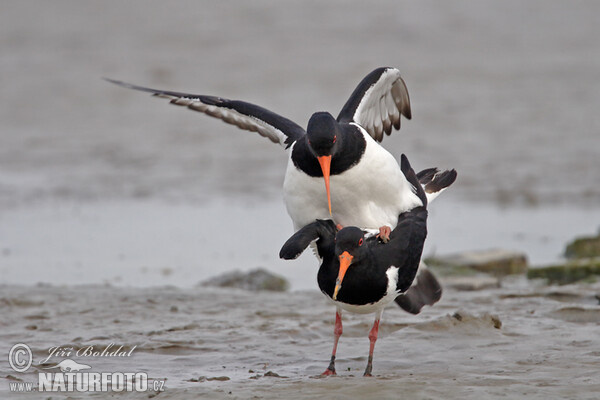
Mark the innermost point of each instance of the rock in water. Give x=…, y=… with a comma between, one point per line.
x=257, y=279
x=583, y=247
x=497, y=262
x=572, y=271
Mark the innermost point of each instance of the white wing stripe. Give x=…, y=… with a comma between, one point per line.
x=233, y=117
x=242, y=114
x=382, y=104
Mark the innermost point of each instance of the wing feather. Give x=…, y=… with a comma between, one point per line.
x=244, y=115
x=378, y=102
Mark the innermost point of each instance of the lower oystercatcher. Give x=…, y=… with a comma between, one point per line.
x=363, y=275
x=367, y=186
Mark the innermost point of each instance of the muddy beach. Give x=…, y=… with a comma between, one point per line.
x=520, y=340
x=114, y=206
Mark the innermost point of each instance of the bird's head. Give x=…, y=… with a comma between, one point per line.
x=324, y=138
x=349, y=249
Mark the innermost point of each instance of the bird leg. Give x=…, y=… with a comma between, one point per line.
x=384, y=233
x=337, y=332
x=372, y=339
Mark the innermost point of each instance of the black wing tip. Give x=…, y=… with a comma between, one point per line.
x=426, y=292
x=132, y=86
x=292, y=248
x=115, y=81
x=286, y=254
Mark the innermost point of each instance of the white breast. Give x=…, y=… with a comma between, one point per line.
x=390, y=295
x=369, y=195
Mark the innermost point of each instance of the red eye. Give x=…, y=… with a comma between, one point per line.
x=360, y=242
x=334, y=139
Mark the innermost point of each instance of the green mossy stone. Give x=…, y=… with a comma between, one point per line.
x=584, y=247
x=497, y=262
x=585, y=269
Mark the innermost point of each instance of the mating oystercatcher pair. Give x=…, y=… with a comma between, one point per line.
x=364, y=187
x=363, y=275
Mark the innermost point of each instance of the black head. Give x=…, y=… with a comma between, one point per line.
x=348, y=248
x=323, y=134
x=349, y=239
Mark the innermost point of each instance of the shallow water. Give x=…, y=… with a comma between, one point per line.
x=99, y=185
x=155, y=243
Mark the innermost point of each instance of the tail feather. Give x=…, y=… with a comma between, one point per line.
x=425, y=291
x=435, y=181
x=427, y=175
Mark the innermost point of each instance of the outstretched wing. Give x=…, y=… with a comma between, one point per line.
x=239, y=113
x=378, y=102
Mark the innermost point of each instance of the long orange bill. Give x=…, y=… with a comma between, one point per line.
x=345, y=261
x=325, y=162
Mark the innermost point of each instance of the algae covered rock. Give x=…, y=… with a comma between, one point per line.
x=572, y=271
x=584, y=247
x=257, y=279
x=496, y=262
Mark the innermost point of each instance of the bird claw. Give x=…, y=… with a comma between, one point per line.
x=339, y=227
x=329, y=372
x=384, y=233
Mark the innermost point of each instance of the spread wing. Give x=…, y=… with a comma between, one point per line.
x=244, y=115
x=378, y=102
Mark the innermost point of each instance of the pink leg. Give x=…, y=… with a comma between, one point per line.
x=337, y=332
x=384, y=233
x=372, y=339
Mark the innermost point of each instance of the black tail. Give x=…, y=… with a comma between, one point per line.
x=411, y=177
x=434, y=181
x=425, y=292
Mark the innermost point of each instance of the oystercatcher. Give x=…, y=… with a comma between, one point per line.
x=368, y=188
x=363, y=275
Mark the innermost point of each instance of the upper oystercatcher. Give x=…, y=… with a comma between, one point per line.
x=363, y=275
x=368, y=188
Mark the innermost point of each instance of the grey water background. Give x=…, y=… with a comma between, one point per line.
x=99, y=185
x=102, y=184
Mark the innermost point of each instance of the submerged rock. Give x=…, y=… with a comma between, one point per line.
x=584, y=247
x=497, y=262
x=572, y=271
x=257, y=279
x=471, y=283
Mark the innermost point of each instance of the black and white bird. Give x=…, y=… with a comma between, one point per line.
x=363, y=182
x=363, y=275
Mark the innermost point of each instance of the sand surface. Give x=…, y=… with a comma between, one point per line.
x=114, y=205
x=518, y=341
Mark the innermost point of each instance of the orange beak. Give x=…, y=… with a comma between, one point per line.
x=325, y=162
x=345, y=261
